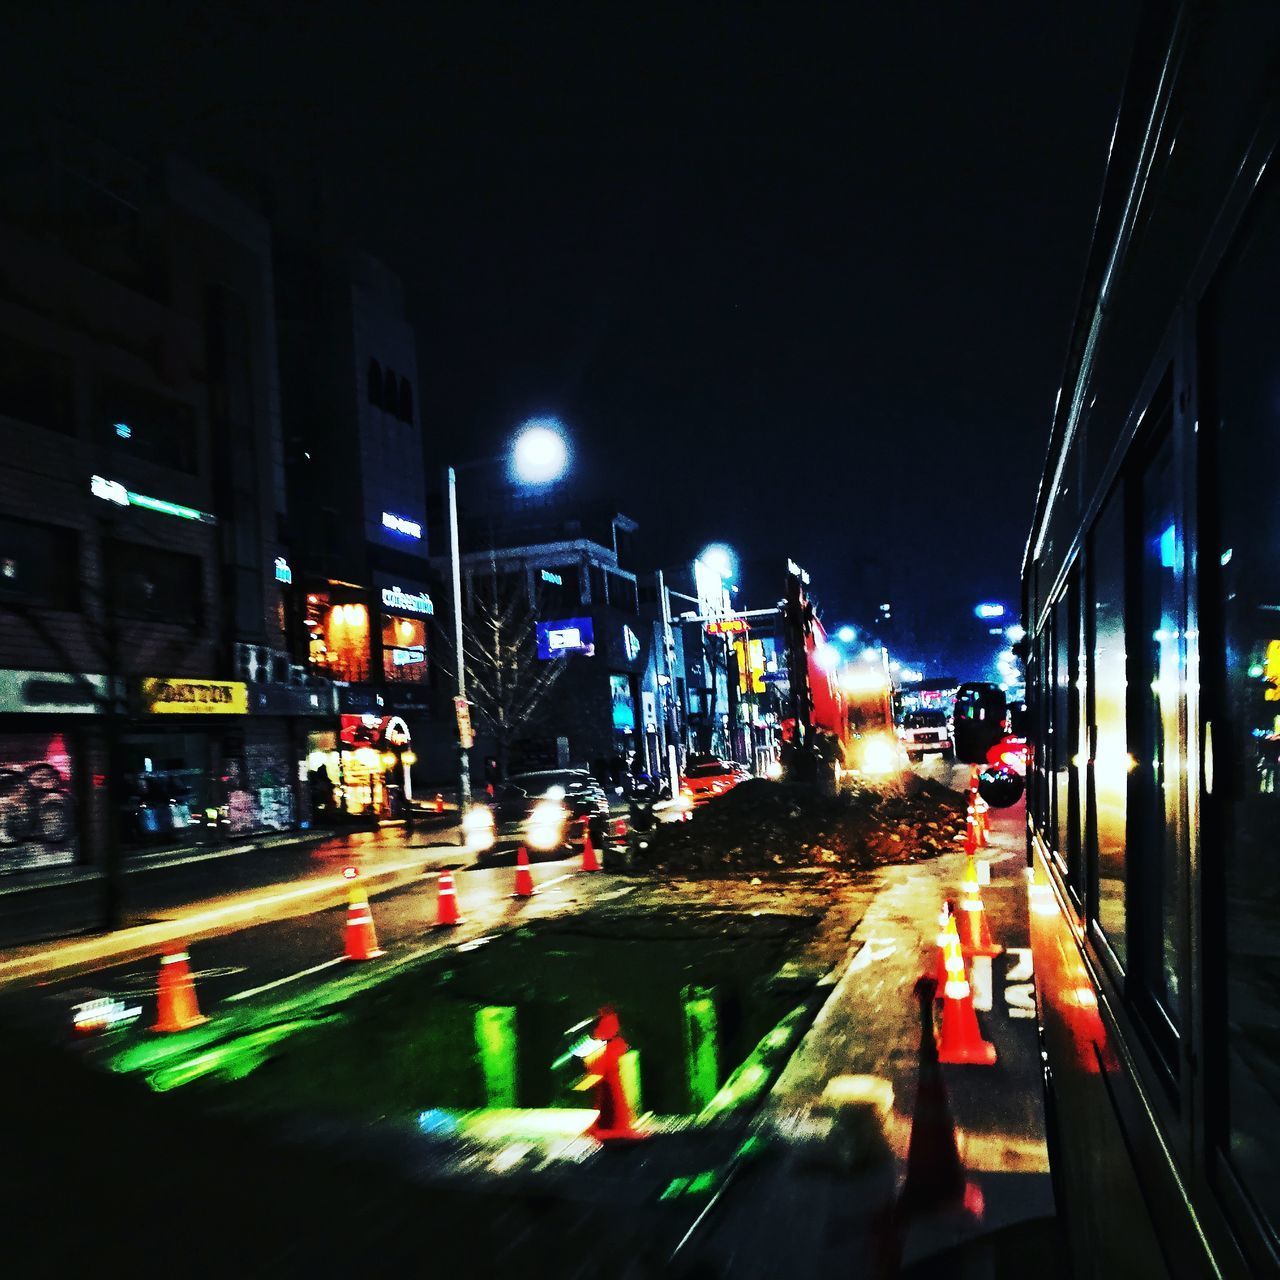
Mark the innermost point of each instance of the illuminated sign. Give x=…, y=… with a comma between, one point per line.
x=554, y=578
x=408, y=657
x=283, y=572
x=990, y=611
x=124, y=431
x=630, y=643
x=727, y=626
x=406, y=602
x=178, y=696
x=797, y=572
x=52, y=692
x=398, y=524
x=114, y=491
x=569, y=635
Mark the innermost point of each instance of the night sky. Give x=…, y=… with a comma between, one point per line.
x=801, y=286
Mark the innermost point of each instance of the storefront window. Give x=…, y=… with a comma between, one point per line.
x=338, y=637
x=167, y=792
x=404, y=649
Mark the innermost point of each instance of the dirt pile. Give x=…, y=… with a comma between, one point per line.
x=761, y=827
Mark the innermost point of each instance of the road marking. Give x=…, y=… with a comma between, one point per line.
x=980, y=976
x=1022, y=970
x=280, y=982
x=1021, y=1000
x=984, y=872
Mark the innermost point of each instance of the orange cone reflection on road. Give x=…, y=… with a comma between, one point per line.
x=176, y=1005
x=615, y=1123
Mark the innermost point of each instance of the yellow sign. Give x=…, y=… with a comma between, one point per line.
x=179, y=696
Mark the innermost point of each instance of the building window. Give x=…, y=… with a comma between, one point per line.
x=141, y=424
x=35, y=386
x=404, y=649
x=39, y=564
x=337, y=636
x=1107, y=692
x=373, y=384
x=1240, y=647
x=155, y=584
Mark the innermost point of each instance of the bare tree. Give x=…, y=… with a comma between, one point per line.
x=507, y=682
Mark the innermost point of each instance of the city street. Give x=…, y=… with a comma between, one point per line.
x=834, y=1129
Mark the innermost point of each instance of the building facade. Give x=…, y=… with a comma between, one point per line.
x=141, y=507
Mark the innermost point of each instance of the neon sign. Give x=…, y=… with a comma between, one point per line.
x=398, y=524
x=113, y=491
x=394, y=598
x=283, y=572
x=554, y=578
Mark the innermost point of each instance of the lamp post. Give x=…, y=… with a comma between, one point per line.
x=539, y=456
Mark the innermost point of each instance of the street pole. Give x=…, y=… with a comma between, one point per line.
x=464, y=767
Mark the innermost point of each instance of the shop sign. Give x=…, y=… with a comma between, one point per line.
x=568, y=635
x=727, y=626
x=398, y=524
x=52, y=692
x=407, y=602
x=283, y=572
x=554, y=578
x=176, y=695
x=631, y=643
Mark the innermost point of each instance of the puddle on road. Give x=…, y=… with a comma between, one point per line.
x=484, y=1026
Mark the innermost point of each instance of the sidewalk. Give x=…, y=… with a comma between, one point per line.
x=839, y=1117
x=388, y=858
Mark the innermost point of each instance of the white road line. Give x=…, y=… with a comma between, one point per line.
x=280, y=982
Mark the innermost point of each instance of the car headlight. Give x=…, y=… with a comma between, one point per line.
x=879, y=755
x=478, y=828
x=545, y=827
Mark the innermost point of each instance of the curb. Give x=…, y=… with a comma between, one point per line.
x=89, y=955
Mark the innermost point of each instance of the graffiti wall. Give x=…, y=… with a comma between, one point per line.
x=37, y=806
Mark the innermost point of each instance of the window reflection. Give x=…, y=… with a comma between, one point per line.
x=1111, y=759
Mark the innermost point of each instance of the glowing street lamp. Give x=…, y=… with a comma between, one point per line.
x=720, y=560
x=539, y=452
x=847, y=635
x=539, y=455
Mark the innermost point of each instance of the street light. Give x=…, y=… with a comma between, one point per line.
x=539, y=455
x=539, y=452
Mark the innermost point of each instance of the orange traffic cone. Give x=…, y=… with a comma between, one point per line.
x=940, y=971
x=176, y=1006
x=589, y=860
x=615, y=1123
x=961, y=1042
x=524, y=877
x=980, y=807
x=361, y=940
x=446, y=902
x=935, y=1176
x=974, y=931
x=439, y=803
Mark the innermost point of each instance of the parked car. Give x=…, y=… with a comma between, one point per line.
x=543, y=811
x=925, y=733
x=706, y=777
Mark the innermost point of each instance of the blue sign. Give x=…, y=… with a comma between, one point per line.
x=568, y=635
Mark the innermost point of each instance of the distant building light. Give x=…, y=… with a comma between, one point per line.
x=283, y=572
x=990, y=611
x=826, y=656
x=631, y=643
x=554, y=578
x=884, y=608
x=398, y=524
x=1016, y=632
x=124, y=431
x=796, y=571
x=847, y=635
x=995, y=631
